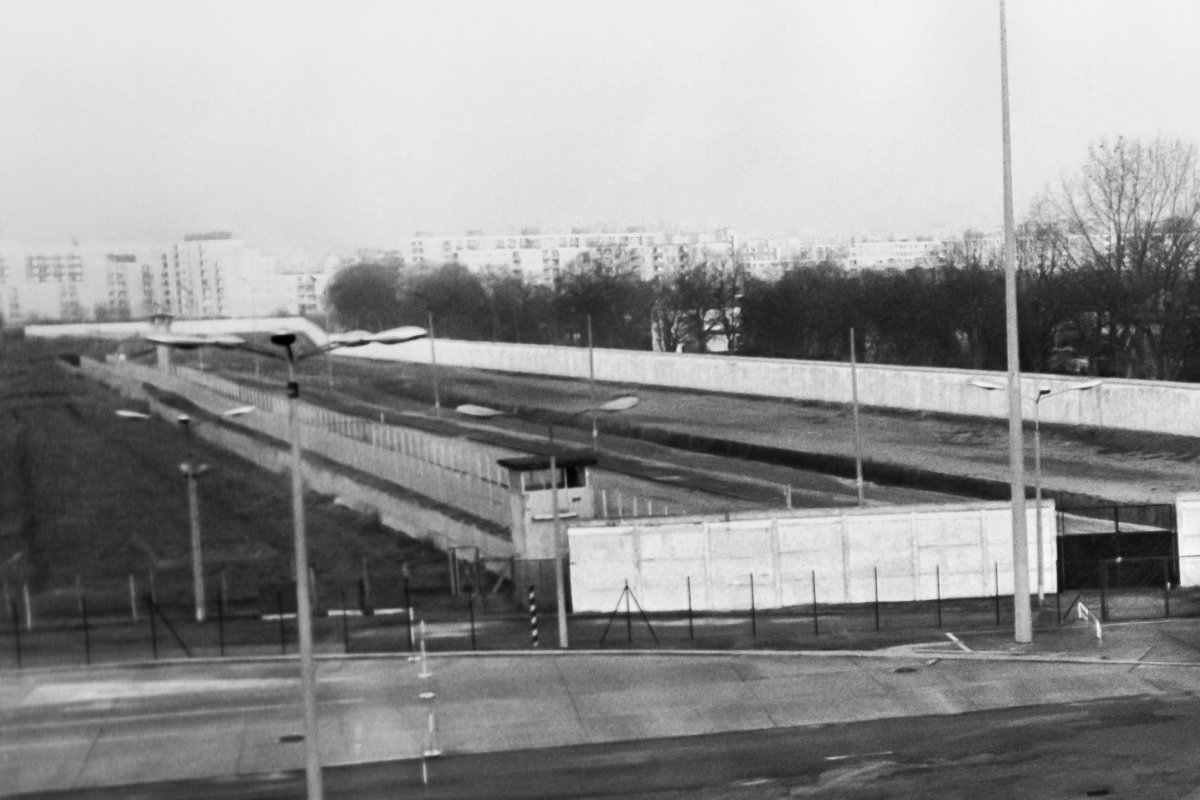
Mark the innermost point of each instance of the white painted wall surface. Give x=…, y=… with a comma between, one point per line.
x=1163, y=407
x=1187, y=522
x=913, y=549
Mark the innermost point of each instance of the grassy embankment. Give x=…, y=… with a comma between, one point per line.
x=88, y=499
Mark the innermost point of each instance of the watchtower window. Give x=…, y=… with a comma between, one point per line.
x=572, y=477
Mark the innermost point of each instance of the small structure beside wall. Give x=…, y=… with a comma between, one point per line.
x=903, y=552
x=532, y=495
x=1187, y=523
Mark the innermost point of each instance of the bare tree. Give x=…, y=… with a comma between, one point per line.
x=1130, y=223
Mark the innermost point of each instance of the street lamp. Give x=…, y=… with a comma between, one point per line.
x=1042, y=394
x=191, y=471
x=622, y=403
x=286, y=340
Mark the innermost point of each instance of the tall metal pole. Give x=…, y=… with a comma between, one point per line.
x=592, y=385
x=197, y=558
x=560, y=584
x=437, y=400
x=858, y=472
x=189, y=472
x=1037, y=503
x=1022, y=616
x=308, y=675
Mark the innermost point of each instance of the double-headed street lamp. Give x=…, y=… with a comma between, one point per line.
x=560, y=593
x=286, y=340
x=1043, y=393
x=191, y=471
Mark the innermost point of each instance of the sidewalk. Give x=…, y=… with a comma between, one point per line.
x=75, y=728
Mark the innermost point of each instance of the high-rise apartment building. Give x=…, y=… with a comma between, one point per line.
x=205, y=275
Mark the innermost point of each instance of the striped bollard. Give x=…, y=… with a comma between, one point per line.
x=533, y=620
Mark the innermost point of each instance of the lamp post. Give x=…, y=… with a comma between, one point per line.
x=285, y=340
x=1042, y=394
x=191, y=472
x=858, y=471
x=622, y=403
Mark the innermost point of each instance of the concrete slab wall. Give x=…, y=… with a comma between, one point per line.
x=1172, y=408
x=911, y=553
x=125, y=330
x=1187, y=523
x=1157, y=406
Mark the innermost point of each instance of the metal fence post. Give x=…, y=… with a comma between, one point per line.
x=937, y=576
x=996, y=569
x=408, y=610
x=471, y=612
x=12, y=605
x=816, y=630
x=628, y=612
x=753, y=616
x=1103, y=567
x=221, y=615
x=876, y=599
x=87, y=634
x=282, y=629
x=691, y=632
x=153, y=626
x=345, y=622
x=1166, y=588
x=28, y=607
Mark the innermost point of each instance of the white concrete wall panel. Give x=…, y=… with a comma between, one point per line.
x=1164, y=407
x=1187, y=521
x=916, y=553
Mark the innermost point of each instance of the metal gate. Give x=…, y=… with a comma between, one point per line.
x=1091, y=537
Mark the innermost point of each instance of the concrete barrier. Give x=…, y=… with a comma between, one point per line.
x=915, y=552
x=126, y=330
x=1154, y=406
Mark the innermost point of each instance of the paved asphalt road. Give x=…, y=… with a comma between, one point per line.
x=928, y=717
x=1133, y=747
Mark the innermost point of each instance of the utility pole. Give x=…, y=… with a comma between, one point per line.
x=1022, y=615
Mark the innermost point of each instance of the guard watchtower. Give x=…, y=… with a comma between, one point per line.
x=532, y=491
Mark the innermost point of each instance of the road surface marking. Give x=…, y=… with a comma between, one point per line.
x=110, y=719
x=858, y=755
x=961, y=646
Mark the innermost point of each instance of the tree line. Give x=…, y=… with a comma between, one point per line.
x=1108, y=283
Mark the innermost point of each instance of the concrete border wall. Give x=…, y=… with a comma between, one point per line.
x=1161, y=407
x=1187, y=523
x=125, y=330
x=916, y=551
x=1152, y=406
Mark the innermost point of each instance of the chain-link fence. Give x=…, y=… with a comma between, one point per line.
x=477, y=604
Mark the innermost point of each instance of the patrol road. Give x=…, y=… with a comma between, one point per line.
x=1119, y=466
x=1142, y=746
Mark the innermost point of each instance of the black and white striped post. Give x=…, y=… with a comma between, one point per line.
x=533, y=615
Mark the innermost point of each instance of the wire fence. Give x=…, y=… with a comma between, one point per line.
x=494, y=604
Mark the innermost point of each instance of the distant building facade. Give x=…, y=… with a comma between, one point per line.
x=539, y=257
x=206, y=275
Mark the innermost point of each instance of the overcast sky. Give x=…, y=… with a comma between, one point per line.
x=335, y=124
